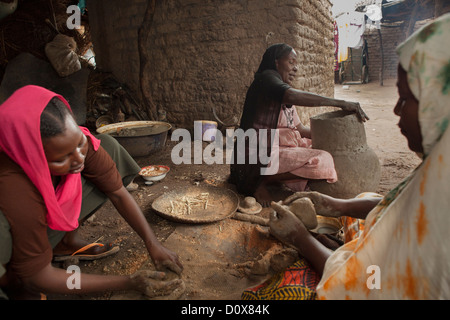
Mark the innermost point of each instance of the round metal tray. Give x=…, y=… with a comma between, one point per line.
x=197, y=204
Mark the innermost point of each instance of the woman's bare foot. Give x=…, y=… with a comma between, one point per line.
x=72, y=242
x=263, y=196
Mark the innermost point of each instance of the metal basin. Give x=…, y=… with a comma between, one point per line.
x=139, y=138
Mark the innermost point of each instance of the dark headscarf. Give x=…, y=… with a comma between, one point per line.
x=273, y=53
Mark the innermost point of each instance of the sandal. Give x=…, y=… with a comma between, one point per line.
x=133, y=186
x=79, y=253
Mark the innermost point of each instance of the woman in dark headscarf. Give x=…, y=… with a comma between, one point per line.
x=269, y=105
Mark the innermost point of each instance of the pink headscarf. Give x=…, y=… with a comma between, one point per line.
x=20, y=139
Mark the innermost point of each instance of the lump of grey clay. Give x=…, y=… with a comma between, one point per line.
x=304, y=209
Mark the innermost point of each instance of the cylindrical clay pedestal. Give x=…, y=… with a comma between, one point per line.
x=357, y=166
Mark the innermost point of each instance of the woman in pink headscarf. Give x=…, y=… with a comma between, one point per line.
x=53, y=175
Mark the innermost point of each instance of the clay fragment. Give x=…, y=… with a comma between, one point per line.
x=304, y=209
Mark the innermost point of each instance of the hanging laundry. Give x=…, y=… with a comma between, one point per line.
x=374, y=15
x=336, y=47
x=351, y=27
x=356, y=29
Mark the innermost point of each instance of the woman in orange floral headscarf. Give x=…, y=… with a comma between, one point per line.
x=403, y=252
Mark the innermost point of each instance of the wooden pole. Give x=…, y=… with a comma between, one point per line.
x=380, y=39
x=412, y=19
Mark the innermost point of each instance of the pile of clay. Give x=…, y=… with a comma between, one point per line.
x=304, y=210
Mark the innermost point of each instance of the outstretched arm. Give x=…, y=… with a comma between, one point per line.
x=132, y=213
x=333, y=207
x=55, y=280
x=287, y=228
x=307, y=99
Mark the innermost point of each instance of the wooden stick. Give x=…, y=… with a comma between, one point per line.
x=251, y=218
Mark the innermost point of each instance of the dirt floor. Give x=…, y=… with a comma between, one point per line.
x=223, y=258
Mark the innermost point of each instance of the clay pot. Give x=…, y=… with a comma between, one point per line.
x=357, y=166
x=250, y=206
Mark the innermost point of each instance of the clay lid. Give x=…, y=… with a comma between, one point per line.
x=250, y=206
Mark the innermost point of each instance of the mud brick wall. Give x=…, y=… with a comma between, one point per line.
x=204, y=53
x=392, y=35
x=114, y=30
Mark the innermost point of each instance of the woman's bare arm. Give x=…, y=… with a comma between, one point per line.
x=287, y=228
x=333, y=207
x=59, y=281
x=305, y=131
x=306, y=99
x=132, y=213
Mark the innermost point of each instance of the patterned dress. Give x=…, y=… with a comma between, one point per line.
x=403, y=252
x=295, y=153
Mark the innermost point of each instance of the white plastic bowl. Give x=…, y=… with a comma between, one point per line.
x=154, y=173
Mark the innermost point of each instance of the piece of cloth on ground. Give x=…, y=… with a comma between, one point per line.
x=297, y=282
